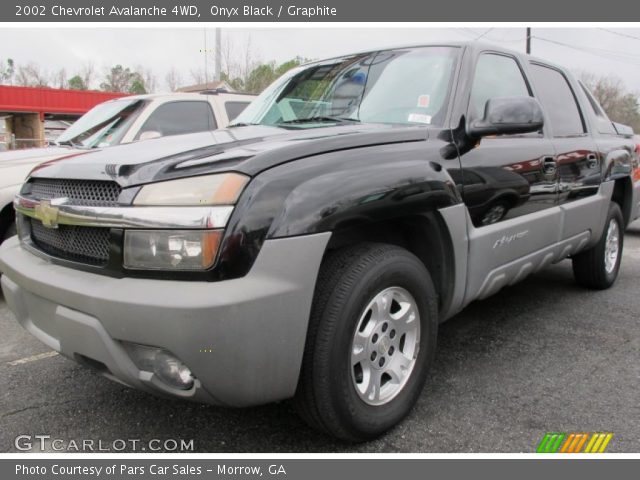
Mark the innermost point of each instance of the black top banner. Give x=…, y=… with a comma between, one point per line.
x=317, y=11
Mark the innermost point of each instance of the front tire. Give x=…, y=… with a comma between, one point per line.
x=598, y=267
x=371, y=339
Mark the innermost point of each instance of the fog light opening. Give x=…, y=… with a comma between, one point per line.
x=165, y=366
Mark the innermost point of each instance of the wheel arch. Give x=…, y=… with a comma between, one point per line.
x=426, y=236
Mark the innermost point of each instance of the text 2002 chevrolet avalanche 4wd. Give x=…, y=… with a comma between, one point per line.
x=310, y=250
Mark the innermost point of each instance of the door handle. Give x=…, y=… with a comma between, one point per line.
x=592, y=160
x=549, y=165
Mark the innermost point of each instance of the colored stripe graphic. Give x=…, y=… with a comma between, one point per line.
x=555, y=442
x=598, y=442
x=551, y=442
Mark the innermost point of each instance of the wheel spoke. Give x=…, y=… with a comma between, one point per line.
x=399, y=368
x=372, y=392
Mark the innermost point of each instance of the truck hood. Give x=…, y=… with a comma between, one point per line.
x=32, y=156
x=248, y=150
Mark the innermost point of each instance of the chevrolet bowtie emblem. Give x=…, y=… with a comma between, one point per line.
x=47, y=213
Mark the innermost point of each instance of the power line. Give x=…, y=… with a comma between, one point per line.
x=483, y=34
x=608, y=54
x=627, y=35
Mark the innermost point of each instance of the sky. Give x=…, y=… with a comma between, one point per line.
x=602, y=51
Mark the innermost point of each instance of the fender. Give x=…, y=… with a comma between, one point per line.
x=618, y=163
x=334, y=191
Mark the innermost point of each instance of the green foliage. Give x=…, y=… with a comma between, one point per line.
x=121, y=79
x=261, y=76
x=77, y=83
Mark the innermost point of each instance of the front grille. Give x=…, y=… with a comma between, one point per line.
x=88, y=193
x=89, y=245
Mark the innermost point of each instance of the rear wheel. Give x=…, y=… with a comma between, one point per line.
x=372, y=336
x=598, y=267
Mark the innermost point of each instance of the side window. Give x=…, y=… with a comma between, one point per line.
x=234, y=109
x=558, y=100
x=176, y=118
x=603, y=123
x=496, y=76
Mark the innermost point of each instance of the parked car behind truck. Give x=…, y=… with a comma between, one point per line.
x=124, y=120
x=310, y=250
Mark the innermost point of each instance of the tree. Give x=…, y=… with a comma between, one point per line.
x=31, y=75
x=7, y=70
x=77, y=83
x=121, y=79
x=621, y=105
x=87, y=73
x=59, y=79
x=173, y=79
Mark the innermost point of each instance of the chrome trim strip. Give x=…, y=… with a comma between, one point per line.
x=185, y=218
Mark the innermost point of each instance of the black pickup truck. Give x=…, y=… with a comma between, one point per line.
x=311, y=249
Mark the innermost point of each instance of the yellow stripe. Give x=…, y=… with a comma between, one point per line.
x=607, y=439
x=591, y=442
x=598, y=442
x=566, y=443
x=582, y=440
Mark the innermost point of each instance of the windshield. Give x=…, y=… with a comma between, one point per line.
x=407, y=86
x=102, y=126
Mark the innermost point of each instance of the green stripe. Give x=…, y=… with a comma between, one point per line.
x=543, y=443
x=558, y=442
x=551, y=442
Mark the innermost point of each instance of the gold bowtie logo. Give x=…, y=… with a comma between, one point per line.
x=47, y=214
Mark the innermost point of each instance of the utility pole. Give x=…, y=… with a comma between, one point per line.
x=528, y=40
x=218, y=54
x=206, y=76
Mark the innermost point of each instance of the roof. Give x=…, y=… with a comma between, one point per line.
x=200, y=87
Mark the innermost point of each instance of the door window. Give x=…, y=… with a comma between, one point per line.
x=496, y=76
x=176, y=118
x=558, y=100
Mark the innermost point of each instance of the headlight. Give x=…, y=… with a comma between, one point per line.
x=218, y=189
x=171, y=249
x=181, y=249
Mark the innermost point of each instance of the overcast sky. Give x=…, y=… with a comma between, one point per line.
x=602, y=51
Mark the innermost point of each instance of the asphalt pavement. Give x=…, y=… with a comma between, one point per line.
x=542, y=356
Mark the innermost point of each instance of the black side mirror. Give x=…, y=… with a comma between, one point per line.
x=508, y=115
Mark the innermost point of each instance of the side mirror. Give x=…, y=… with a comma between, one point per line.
x=508, y=115
x=149, y=135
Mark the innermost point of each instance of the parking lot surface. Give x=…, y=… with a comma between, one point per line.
x=541, y=356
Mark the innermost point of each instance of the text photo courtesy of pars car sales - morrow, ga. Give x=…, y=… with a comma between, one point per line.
x=259, y=240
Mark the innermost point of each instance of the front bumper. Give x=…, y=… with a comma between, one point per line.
x=243, y=339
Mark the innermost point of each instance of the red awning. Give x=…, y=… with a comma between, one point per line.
x=51, y=100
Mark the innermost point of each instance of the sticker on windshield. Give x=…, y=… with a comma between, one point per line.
x=419, y=118
x=423, y=101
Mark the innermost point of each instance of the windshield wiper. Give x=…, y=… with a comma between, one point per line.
x=319, y=119
x=242, y=124
x=68, y=143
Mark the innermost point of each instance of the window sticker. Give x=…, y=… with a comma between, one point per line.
x=423, y=101
x=419, y=118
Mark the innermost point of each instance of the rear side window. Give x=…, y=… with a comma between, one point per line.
x=176, y=118
x=234, y=109
x=603, y=124
x=558, y=100
x=496, y=76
